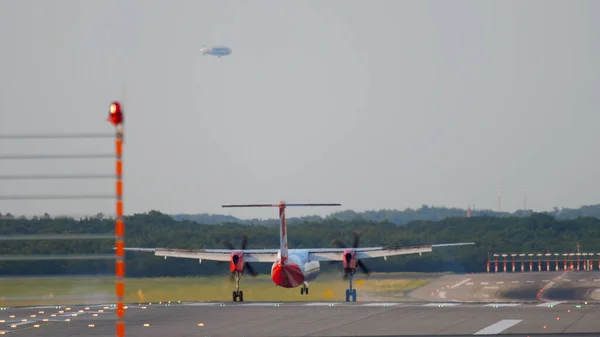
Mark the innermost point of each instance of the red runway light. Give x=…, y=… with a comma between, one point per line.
x=115, y=115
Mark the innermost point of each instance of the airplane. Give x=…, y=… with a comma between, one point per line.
x=292, y=267
x=215, y=51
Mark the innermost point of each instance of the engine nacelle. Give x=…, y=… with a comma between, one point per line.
x=349, y=259
x=236, y=261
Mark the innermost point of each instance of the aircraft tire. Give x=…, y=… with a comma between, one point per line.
x=353, y=295
x=241, y=296
x=234, y=296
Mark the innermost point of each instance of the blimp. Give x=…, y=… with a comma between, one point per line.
x=216, y=51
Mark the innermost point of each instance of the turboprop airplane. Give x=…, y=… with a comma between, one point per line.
x=292, y=267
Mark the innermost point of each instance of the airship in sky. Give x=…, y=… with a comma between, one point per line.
x=216, y=51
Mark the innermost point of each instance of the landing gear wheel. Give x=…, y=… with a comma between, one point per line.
x=238, y=295
x=353, y=295
x=306, y=291
x=302, y=291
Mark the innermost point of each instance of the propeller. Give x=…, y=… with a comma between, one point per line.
x=348, y=257
x=247, y=266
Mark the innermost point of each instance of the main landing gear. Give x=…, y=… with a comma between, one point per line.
x=237, y=293
x=304, y=290
x=350, y=293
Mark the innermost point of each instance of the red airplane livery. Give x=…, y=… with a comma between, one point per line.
x=295, y=267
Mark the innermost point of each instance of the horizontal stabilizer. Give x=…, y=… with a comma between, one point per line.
x=281, y=204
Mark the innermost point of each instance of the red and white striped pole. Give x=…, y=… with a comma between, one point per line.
x=116, y=118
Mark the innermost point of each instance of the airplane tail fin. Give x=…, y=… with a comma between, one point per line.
x=283, y=246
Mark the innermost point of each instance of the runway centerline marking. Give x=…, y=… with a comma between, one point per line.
x=547, y=304
x=498, y=327
x=461, y=282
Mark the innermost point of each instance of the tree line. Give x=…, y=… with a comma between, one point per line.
x=401, y=217
x=529, y=234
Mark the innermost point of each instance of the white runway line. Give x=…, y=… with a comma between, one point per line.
x=484, y=283
x=258, y=304
x=500, y=282
x=530, y=281
x=441, y=304
x=320, y=304
x=461, y=282
x=201, y=304
x=498, y=327
x=379, y=304
x=547, y=304
x=502, y=304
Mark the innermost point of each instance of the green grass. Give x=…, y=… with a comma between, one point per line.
x=54, y=291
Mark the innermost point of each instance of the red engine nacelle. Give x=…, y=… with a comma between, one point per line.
x=236, y=261
x=349, y=259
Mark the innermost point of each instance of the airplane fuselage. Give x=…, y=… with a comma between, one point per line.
x=295, y=270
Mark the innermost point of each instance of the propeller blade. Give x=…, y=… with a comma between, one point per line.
x=244, y=241
x=227, y=244
x=356, y=239
x=363, y=267
x=250, y=269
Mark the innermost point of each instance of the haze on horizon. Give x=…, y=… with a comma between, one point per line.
x=388, y=104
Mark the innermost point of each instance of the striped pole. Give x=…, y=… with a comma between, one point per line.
x=120, y=236
x=116, y=118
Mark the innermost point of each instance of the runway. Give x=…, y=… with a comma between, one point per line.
x=462, y=310
x=308, y=319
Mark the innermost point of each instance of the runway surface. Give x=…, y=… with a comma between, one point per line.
x=460, y=315
x=308, y=319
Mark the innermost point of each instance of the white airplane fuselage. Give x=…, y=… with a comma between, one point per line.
x=294, y=271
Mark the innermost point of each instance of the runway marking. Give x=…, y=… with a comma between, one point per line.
x=545, y=281
x=321, y=303
x=548, y=304
x=258, y=304
x=441, y=304
x=484, y=283
x=530, y=281
x=379, y=304
x=514, y=281
x=582, y=280
x=498, y=327
x=502, y=304
x=461, y=282
x=567, y=280
x=201, y=304
x=469, y=283
x=500, y=282
x=597, y=280
x=491, y=287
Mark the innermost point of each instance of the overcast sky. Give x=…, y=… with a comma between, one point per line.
x=372, y=104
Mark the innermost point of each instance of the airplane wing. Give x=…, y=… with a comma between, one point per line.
x=250, y=255
x=335, y=254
